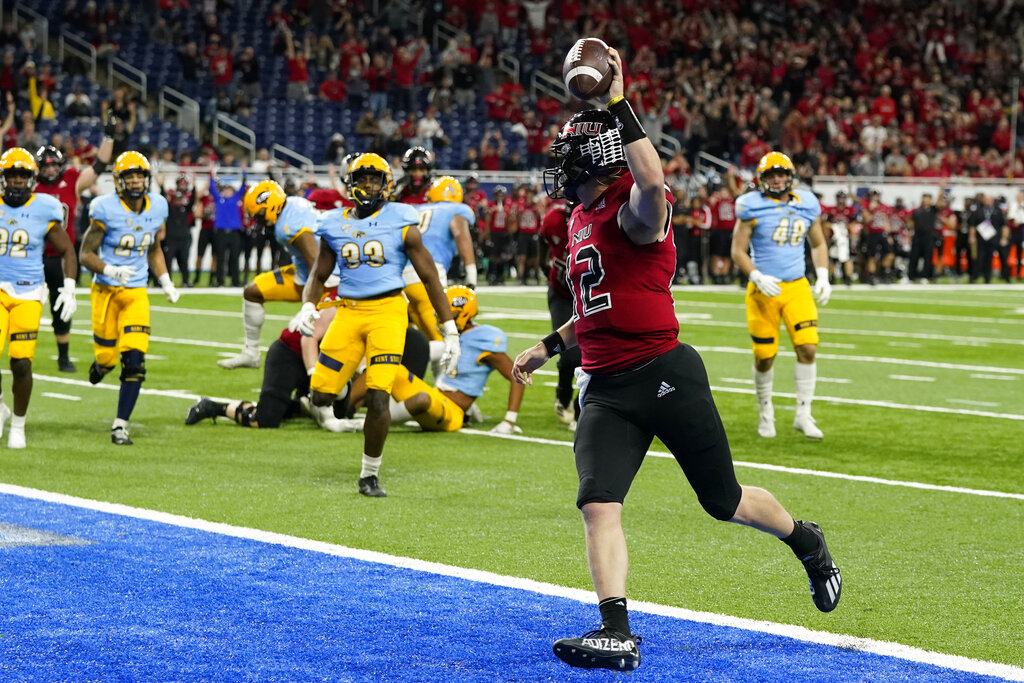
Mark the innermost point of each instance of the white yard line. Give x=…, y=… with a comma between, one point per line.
x=801, y=633
x=968, y=402
x=63, y=397
x=911, y=378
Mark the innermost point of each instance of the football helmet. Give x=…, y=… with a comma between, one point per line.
x=463, y=303
x=775, y=161
x=445, y=189
x=17, y=162
x=51, y=163
x=129, y=163
x=266, y=196
x=368, y=199
x=417, y=159
x=587, y=147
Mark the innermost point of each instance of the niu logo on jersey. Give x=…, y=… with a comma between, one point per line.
x=582, y=128
x=583, y=234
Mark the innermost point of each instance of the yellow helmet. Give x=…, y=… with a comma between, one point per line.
x=445, y=189
x=373, y=164
x=775, y=161
x=268, y=195
x=21, y=161
x=130, y=162
x=462, y=301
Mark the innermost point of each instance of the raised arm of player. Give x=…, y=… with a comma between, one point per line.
x=90, y=174
x=644, y=221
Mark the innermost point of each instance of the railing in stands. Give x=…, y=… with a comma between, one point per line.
x=444, y=32
x=226, y=127
x=278, y=152
x=509, y=65
x=71, y=44
x=184, y=108
x=40, y=25
x=667, y=145
x=127, y=74
x=549, y=85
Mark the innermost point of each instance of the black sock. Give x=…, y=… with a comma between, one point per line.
x=614, y=616
x=62, y=350
x=802, y=541
x=127, y=397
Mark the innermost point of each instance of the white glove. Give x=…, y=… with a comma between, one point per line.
x=768, y=284
x=170, y=291
x=452, y=349
x=304, y=320
x=121, y=274
x=822, y=288
x=506, y=427
x=65, y=304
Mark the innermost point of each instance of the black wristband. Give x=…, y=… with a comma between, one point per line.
x=100, y=167
x=630, y=130
x=553, y=343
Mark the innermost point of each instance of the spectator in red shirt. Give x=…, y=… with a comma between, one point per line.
x=333, y=89
x=403, y=67
x=298, y=71
x=884, y=106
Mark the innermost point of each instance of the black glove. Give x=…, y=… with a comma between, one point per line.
x=110, y=127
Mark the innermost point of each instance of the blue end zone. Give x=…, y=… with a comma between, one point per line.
x=149, y=601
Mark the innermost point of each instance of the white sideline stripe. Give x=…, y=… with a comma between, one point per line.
x=739, y=380
x=63, y=397
x=884, y=404
x=906, y=345
x=911, y=378
x=780, y=468
x=867, y=645
x=835, y=380
x=1001, y=378
x=965, y=401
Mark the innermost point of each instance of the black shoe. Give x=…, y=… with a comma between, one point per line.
x=65, y=365
x=822, y=572
x=600, y=649
x=202, y=409
x=97, y=372
x=119, y=436
x=370, y=486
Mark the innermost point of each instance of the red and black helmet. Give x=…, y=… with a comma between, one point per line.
x=51, y=163
x=588, y=146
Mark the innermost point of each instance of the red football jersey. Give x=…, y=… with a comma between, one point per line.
x=64, y=191
x=325, y=199
x=529, y=216
x=555, y=231
x=409, y=196
x=723, y=213
x=622, y=302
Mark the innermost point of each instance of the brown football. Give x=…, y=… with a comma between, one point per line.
x=587, y=72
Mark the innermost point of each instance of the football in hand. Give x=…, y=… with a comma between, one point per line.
x=587, y=71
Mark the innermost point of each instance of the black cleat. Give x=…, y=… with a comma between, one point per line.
x=65, y=365
x=600, y=649
x=370, y=486
x=97, y=372
x=822, y=572
x=202, y=409
x=119, y=436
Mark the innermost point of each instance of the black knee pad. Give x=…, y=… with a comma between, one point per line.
x=722, y=508
x=133, y=366
x=245, y=413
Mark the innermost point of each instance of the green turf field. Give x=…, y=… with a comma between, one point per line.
x=921, y=386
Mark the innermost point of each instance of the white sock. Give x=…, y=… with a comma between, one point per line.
x=805, y=375
x=118, y=422
x=399, y=413
x=371, y=466
x=252, y=321
x=17, y=422
x=763, y=386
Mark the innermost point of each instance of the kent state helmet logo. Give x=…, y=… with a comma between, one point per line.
x=262, y=196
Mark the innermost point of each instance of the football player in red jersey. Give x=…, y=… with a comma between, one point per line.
x=66, y=184
x=637, y=381
x=418, y=163
x=555, y=231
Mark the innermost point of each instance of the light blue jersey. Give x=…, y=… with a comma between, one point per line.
x=435, y=221
x=297, y=215
x=777, y=243
x=127, y=235
x=371, y=250
x=476, y=343
x=22, y=240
